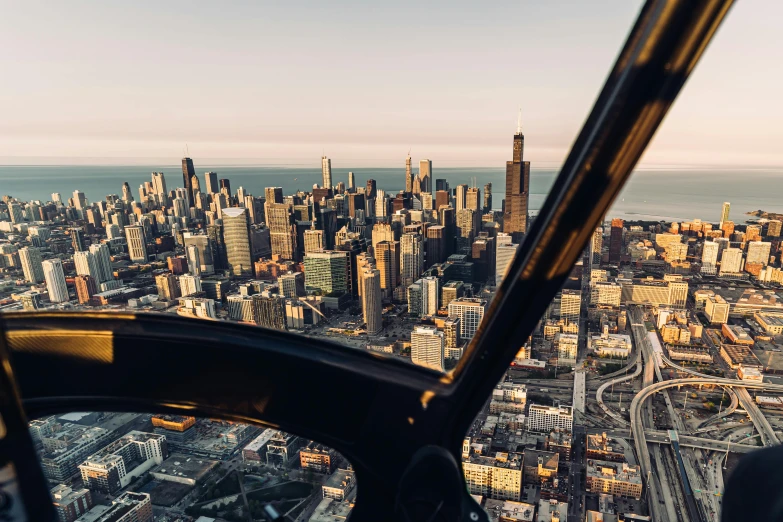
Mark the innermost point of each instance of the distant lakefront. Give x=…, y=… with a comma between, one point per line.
x=652, y=195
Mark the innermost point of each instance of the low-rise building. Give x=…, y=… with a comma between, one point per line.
x=70, y=504
x=606, y=344
x=255, y=451
x=601, y=447
x=178, y=429
x=716, y=309
x=559, y=441
x=539, y=467
x=749, y=374
x=318, y=458
x=282, y=448
x=509, y=511
x=739, y=354
x=116, y=465
x=689, y=352
x=129, y=507
x=497, y=477
x=67, y=447
x=552, y=511
x=339, y=485
x=771, y=323
x=614, y=478
x=736, y=335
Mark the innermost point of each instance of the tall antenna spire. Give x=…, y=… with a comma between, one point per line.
x=519, y=122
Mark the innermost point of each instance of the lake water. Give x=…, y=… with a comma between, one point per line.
x=671, y=195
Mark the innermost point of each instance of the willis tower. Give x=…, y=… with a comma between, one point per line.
x=517, y=189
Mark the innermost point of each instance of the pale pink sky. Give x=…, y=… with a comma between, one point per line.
x=133, y=82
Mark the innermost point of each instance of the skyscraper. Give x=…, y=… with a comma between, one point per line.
x=758, y=252
x=351, y=182
x=159, y=184
x=460, y=196
x=370, y=190
x=55, y=280
x=371, y=300
x=467, y=227
x=504, y=256
x=313, y=240
x=616, y=241
x=103, y=262
x=269, y=311
x=709, y=257
x=473, y=199
x=470, y=312
x=292, y=284
x=189, y=285
x=168, y=289
x=282, y=235
x=430, y=292
x=86, y=265
x=137, y=243
x=328, y=272
x=211, y=183
x=273, y=194
x=326, y=172
x=487, y=198
x=408, y=175
x=30, y=258
x=436, y=244
x=570, y=305
x=188, y=171
x=411, y=257
x=427, y=347
x=194, y=259
x=731, y=261
x=425, y=173
x=77, y=239
x=724, y=213
x=517, y=189
x=387, y=258
x=236, y=234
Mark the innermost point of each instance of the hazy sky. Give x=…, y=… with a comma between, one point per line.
x=253, y=82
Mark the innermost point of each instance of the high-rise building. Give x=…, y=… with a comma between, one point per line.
x=570, y=305
x=425, y=174
x=211, y=183
x=517, y=189
x=411, y=257
x=55, y=280
x=30, y=258
x=427, y=347
x=189, y=285
x=436, y=245
x=408, y=175
x=79, y=200
x=460, y=197
x=236, y=234
x=273, y=194
x=709, y=258
x=85, y=288
x=414, y=299
x=313, y=240
x=351, y=182
x=774, y=227
x=269, y=311
x=544, y=419
x=616, y=240
x=470, y=312
x=473, y=200
x=758, y=252
x=724, y=213
x=86, y=265
x=202, y=255
x=168, y=289
x=102, y=257
x=225, y=187
x=371, y=189
x=504, y=256
x=467, y=227
x=282, y=234
x=15, y=212
x=326, y=172
x=731, y=261
x=137, y=243
x=77, y=239
x=292, y=284
x=387, y=259
x=327, y=271
x=188, y=171
x=371, y=300
x=430, y=294
x=381, y=232
x=487, y=198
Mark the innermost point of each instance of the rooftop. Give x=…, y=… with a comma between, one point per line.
x=330, y=510
x=184, y=466
x=619, y=471
x=499, y=460
x=261, y=441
